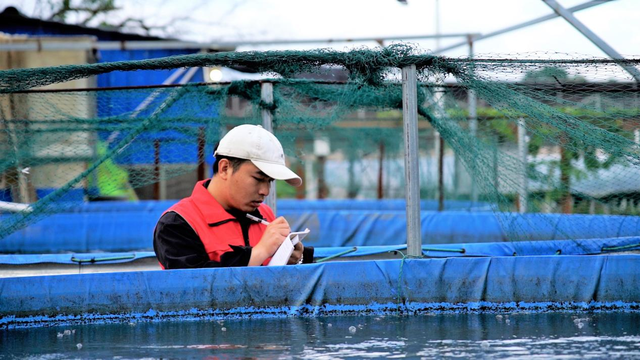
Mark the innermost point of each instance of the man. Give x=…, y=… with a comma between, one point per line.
x=210, y=228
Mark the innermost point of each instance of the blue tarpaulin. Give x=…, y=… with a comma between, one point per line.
x=411, y=286
x=521, y=248
x=121, y=227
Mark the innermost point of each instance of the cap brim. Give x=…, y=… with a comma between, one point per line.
x=278, y=172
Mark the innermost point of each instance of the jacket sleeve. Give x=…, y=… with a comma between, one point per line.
x=307, y=255
x=177, y=246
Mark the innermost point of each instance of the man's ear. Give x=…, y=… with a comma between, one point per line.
x=223, y=168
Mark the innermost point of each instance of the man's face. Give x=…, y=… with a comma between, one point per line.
x=247, y=187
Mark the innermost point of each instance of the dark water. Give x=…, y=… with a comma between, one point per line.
x=548, y=335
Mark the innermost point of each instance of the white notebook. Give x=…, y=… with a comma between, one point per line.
x=282, y=255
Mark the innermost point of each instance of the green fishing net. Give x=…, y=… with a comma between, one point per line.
x=530, y=136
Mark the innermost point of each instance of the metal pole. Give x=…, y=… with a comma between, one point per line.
x=472, y=100
x=522, y=25
x=439, y=141
x=300, y=190
x=201, y=160
x=439, y=147
x=156, y=169
x=380, y=171
x=410, y=125
x=523, y=152
x=571, y=19
x=440, y=173
x=266, y=94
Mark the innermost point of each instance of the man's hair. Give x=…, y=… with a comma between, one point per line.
x=234, y=162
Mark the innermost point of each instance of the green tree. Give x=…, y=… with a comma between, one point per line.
x=100, y=13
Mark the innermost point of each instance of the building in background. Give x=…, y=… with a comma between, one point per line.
x=28, y=42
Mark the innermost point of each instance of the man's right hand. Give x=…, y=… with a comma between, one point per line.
x=271, y=240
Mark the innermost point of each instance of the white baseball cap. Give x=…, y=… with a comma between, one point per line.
x=262, y=148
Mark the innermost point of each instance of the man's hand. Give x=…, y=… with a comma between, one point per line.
x=296, y=255
x=272, y=238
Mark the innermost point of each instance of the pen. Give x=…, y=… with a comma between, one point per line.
x=257, y=219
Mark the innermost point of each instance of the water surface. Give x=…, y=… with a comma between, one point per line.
x=499, y=336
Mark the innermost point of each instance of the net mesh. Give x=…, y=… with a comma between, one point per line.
x=533, y=136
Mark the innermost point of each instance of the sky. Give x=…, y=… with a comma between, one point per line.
x=616, y=22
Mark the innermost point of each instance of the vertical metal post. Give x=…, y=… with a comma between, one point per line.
x=438, y=139
x=20, y=190
x=381, y=171
x=300, y=190
x=440, y=174
x=156, y=169
x=322, y=185
x=439, y=148
x=163, y=183
x=311, y=184
x=266, y=94
x=410, y=126
x=496, y=165
x=201, y=162
x=523, y=152
x=472, y=100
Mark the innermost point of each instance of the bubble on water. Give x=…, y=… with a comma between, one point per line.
x=132, y=324
x=507, y=321
x=223, y=328
x=580, y=325
x=79, y=346
x=73, y=331
x=60, y=335
x=499, y=318
x=329, y=325
x=67, y=332
x=580, y=320
x=360, y=326
x=352, y=329
x=484, y=345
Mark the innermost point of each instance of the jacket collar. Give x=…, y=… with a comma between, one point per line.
x=213, y=212
x=210, y=208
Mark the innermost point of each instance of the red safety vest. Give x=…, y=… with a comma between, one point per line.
x=217, y=228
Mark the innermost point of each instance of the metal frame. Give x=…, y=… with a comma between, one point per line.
x=266, y=94
x=595, y=39
x=473, y=37
x=412, y=175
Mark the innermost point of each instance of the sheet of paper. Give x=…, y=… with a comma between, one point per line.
x=282, y=255
x=297, y=236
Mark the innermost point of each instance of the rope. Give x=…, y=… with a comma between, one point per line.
x=619, y=248
x=337, y=255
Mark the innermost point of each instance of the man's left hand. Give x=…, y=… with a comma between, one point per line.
x=296, y=255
